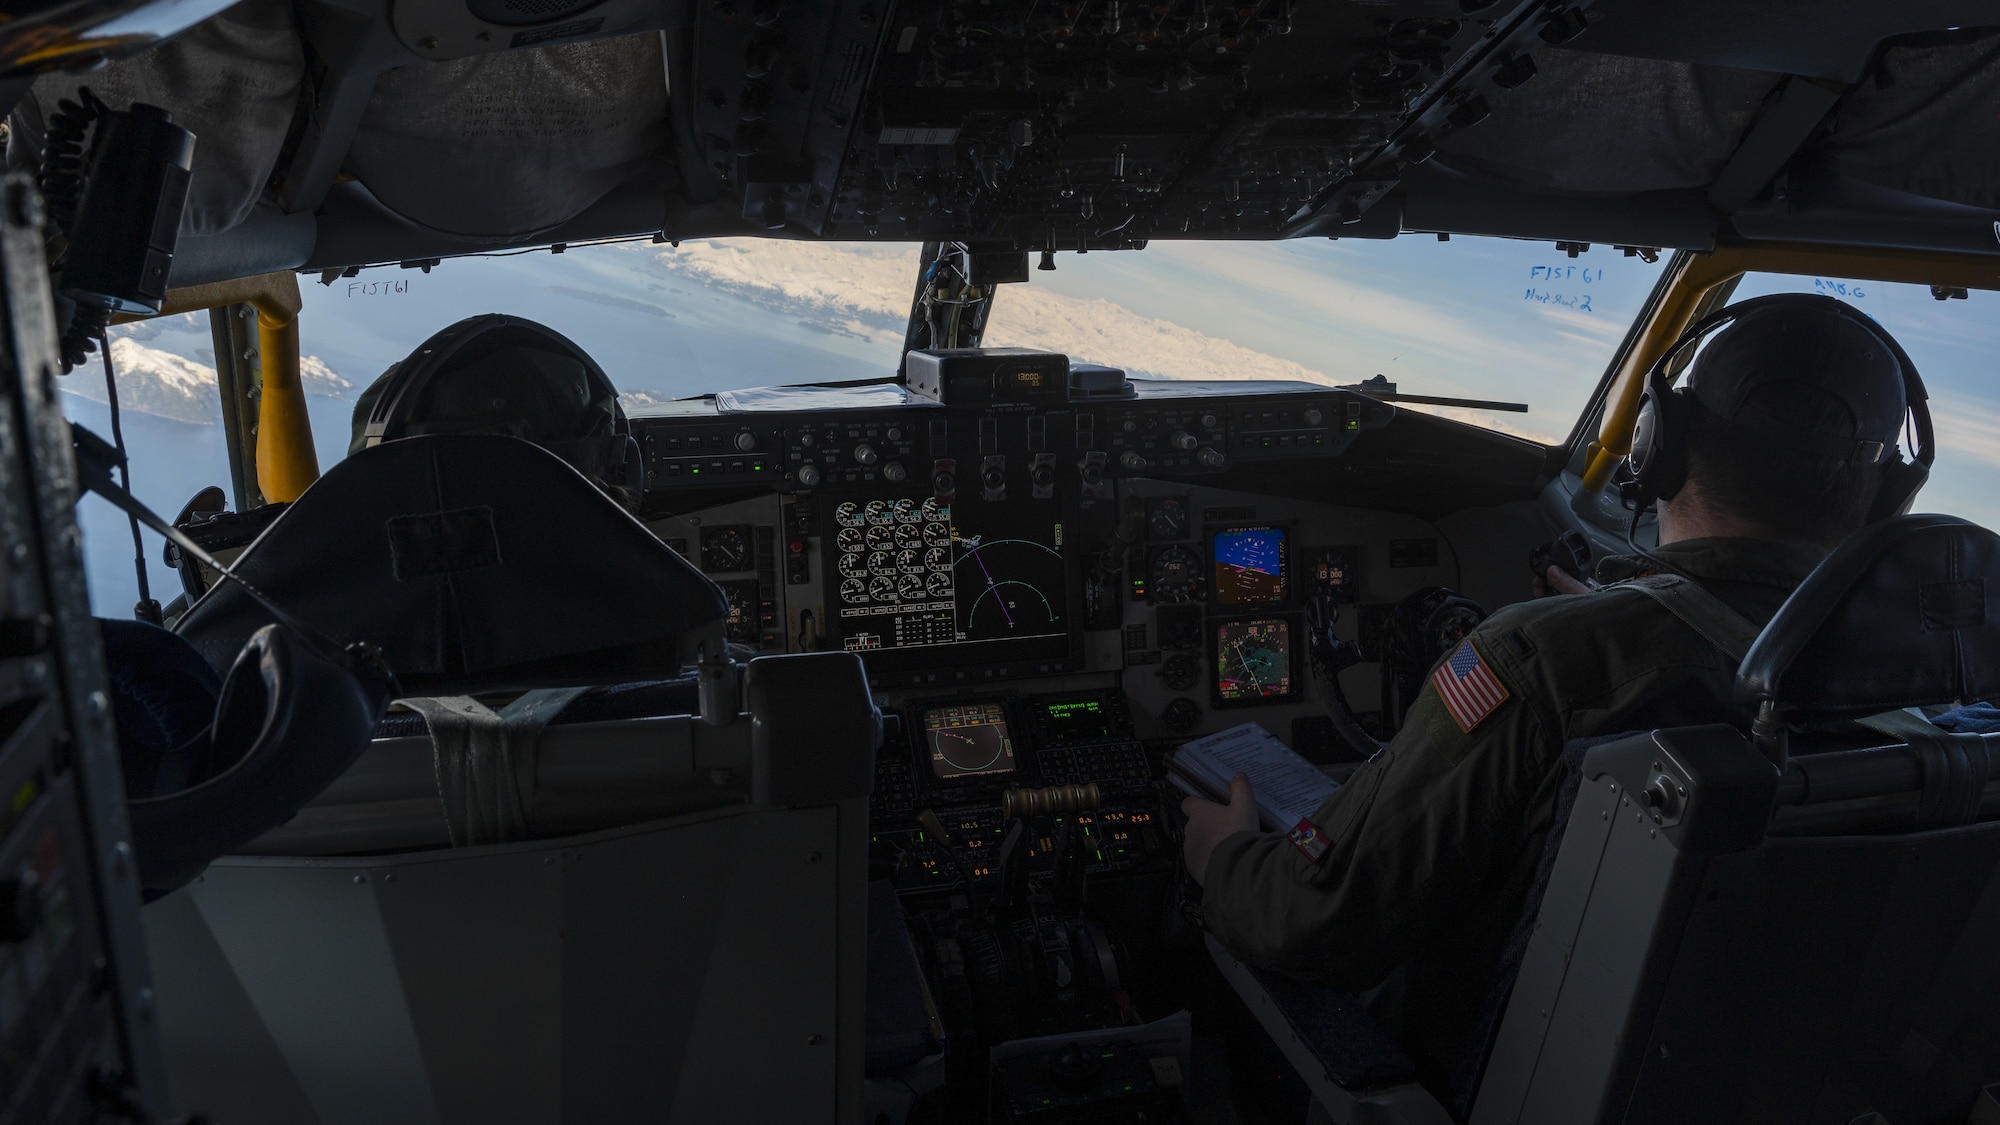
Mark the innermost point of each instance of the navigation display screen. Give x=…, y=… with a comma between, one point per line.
x=910, y=577
x=1250, y=567
x=968, y=739
x=1253, y=660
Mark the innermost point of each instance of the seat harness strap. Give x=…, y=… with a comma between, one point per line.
x=486, y=760
x=1706, y=614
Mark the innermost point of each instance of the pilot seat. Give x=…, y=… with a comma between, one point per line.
x=612, y=915
x=1747, y=925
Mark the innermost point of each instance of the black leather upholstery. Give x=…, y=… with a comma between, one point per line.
x=475, y=563
x=1905, y=613
x=288, y=723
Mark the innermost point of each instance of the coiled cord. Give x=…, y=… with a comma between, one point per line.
x=63, y=155
x=61, y=178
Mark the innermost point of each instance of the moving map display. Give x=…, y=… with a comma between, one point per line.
x=908, y=574
x=1250, y=567
x=968, y=739
x=1253, y=660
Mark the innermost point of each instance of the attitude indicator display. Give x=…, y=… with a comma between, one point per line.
x=1253, y=660
x=968, y=739
x=1250, y=566
x=969, y=572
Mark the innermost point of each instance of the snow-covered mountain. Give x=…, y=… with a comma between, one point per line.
x=164, y=384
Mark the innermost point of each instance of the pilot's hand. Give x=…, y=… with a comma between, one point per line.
x=1209, y=824
x=1556, y=580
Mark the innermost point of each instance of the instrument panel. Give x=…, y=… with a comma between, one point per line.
x=1014, y=546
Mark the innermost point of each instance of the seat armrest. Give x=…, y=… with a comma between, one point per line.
x=1354, y=1070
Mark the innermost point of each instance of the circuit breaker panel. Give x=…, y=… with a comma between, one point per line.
x=76, y=1036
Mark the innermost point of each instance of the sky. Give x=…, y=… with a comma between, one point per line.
x=1478, y=318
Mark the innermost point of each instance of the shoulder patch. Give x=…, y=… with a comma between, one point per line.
x=1467, y=686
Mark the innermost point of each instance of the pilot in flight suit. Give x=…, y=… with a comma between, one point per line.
x=1432, y=845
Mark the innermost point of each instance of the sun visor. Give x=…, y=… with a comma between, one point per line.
x=232, y=81
x=1925, y=122
x=506, y=145
x=1591, y=122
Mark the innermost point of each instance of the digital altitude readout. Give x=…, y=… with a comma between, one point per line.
x=1250, y=566
x=1253, y=660
x=967, y=739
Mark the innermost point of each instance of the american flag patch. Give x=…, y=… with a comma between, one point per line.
x=1468, y=687
x=1307, y=837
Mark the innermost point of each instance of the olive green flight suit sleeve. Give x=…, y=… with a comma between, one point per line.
x=1420, y=830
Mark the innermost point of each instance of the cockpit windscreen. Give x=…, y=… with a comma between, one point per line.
x=911, y=577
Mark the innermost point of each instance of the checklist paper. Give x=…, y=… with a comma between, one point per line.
x=1288, y=788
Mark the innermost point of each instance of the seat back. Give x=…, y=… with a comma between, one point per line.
x=475, y=563
x=695, y=966
x=1723, y=941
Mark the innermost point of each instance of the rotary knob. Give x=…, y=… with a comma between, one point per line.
x=1132, y=459
x=1043, y=475
x=1182, y=440
x=746, y=441
x=1314, y=417
x=894, y=471
x=1209, y=422
x=1213, y=458
x=809, y=475
x=865, y=453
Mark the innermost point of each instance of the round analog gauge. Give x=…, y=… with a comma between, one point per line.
x=1181, y=715
x=881, y=538
x=907, y=511
x=937, y=558
x=853, y=590
x=910, y=587
x=937, y=511
x=848, y=514
x=910, y=562
x=908, y=536
x=1180, y=671
x=849, y=539
x=1168, y=519
x=937, y=534
x=879, y=512
x=881, y=562
x=882, y=588
x=853, y=566
x=938, y=584
x=1176, y=575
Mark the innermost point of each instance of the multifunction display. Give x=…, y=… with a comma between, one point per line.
x=1250, y=566
x=967, y=739
x=912, y=574
x=1253, y=660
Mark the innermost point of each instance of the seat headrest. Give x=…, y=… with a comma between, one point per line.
x=475, y=563
x=1900, y=615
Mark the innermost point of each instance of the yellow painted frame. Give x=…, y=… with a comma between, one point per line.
x=1701, y=276
x=286, y=459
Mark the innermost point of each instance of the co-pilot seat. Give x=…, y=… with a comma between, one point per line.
x=662, y=919
x=1735, y=927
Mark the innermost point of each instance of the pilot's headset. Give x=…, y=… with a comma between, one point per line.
x=1834, y=347
x=499, y=374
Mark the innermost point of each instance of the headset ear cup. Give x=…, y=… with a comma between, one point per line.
x=1901, y=480
x=1659, y=443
